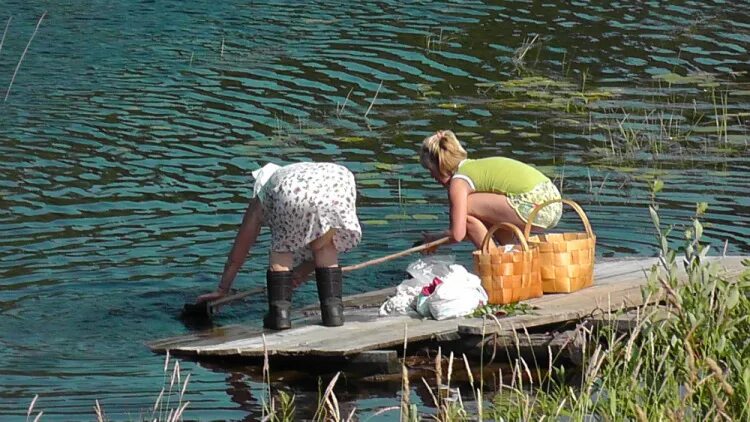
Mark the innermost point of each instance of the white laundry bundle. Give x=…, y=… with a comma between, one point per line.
x=459, y=294
x=422, y=272
x=456, y=292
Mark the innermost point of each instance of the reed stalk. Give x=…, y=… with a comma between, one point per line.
x=375, y=97
x=2, y=40
x=18, y=66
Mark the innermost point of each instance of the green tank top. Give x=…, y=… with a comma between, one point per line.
x=500, y=175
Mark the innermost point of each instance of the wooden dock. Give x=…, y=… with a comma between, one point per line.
x=617, y=285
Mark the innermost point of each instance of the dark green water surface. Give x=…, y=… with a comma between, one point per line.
x=129, y=135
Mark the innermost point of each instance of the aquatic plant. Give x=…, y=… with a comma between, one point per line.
x=277, y=407
x=519, y=55
x=535, y=92
x=674, y=127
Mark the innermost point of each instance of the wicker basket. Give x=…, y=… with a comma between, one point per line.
x=508, y=277
x=566, y=260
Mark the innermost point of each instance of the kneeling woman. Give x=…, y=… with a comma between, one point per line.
x=310, y=209
x=487, y=191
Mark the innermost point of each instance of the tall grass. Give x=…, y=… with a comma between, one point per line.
x=686, y=362
x=676, y=128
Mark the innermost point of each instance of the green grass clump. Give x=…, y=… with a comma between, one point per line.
x=509, y=309
x=687, y=365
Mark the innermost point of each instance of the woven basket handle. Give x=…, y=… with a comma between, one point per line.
x=577, y=208
x=488, y=237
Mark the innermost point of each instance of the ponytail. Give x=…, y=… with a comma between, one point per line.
x=442, y=152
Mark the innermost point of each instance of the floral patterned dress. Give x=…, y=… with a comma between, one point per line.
x=303, y=201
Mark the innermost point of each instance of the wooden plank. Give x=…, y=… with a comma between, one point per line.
x=376, y=361
x=364, y=330
x=355, y=336
x=617, y=285
x=374, y=298
x=629, y=320
x=534, y=346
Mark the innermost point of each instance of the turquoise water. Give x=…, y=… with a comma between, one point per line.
x=131, y=129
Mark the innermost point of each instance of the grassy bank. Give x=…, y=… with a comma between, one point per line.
x=686, y=361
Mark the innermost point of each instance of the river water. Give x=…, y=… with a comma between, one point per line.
x=131, y=129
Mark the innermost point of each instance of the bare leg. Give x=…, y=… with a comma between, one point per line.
x=493, y=208
x=324, y=251
x=281, y=261
x=475, y=230
x=328, y=279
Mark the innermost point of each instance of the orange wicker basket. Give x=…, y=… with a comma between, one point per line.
x=566, y=260
x=508, y=277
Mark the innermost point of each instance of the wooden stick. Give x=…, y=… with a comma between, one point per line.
x=240, y=295
x=387, y=258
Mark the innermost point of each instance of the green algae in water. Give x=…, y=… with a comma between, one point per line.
x=427, y=90
x=317, y=131
x=385, y=166
x=424, y=217
x=411, y=217
x=454, y=106
x=375, y=222
x=351, y=139
x=699, y=79
x=542, y=93
x=397, y=217
x=537, y=82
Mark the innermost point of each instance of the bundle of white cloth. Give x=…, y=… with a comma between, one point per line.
x=457, y=292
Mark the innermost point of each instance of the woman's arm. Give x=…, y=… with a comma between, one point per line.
x=458, y=195
x=245, y=239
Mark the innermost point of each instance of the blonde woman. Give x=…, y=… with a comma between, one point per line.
x=486, y=191
x=310, y=209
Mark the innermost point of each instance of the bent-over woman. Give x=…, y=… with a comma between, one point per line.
x=311, y=212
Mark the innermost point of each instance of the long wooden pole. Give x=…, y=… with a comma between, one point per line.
x=240, y=295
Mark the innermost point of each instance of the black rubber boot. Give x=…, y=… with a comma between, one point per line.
x=279, y=289
x=329, y=294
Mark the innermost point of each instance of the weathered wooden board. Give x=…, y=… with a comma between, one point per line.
x=617, y=285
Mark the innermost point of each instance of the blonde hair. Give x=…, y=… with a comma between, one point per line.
x=442, y=152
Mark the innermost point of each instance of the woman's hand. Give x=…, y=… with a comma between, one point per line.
x=217, y=294
x=427, y=238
